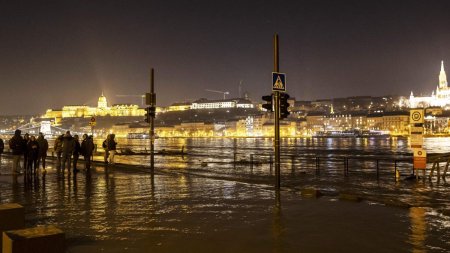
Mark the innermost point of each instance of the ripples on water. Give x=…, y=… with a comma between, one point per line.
x=215, y=158
x=203, y=194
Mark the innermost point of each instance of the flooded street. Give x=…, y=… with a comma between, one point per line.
x=203, y=201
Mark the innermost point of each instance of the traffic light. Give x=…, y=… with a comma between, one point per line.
x=269, y=105
x=149, y=113
x=284, y=105
x=152, y=111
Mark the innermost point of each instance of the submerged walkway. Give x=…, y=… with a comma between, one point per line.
x=126, y=209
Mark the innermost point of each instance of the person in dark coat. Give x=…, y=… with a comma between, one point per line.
x=87, y=149
x=26, y=139
x=68, y=146
x=43, y=147
x=76, y=153
x=57, y=147
x=105, y=147
x=111, y=145
x=32, y=155
x=2, y=147
x=16, y=144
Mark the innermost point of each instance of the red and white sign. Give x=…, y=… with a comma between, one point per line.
x=420, y=158
x=420, y=162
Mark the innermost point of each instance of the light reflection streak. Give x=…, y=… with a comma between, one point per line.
x=418, y=229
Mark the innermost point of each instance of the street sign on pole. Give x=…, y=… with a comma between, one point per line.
x=420, y=152
x=278, y=84
x=416, y=140
x=278, y=81
x=416, y=116
x=420, y=158
x=93, y=122
x=416, y=130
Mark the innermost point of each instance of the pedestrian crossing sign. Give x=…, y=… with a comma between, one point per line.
x=278, y=81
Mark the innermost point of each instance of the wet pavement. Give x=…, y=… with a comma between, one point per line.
x=125, y=208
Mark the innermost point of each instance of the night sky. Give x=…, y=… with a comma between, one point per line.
x=68, y=52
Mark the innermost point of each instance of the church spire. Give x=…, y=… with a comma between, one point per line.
x=442, y=77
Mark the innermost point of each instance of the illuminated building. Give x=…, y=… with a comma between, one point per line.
x=195, y=129
x=102, y=109
x=250, y=126
x=315, y=122
x=220, y=104
x=437, y=123
x=440, y=98
x=179, y=107
x=102, y=103
x=287, y=129
x=375, y=121
x=397, y=123
x=338, y=122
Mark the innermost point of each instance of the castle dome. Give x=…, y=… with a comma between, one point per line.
x=102, y=103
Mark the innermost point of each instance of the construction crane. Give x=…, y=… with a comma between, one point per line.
x=137, y=96
x=225, y=93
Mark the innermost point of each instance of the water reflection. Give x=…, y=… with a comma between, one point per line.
x=277, y=224
x=418, y=229
x=184, y=197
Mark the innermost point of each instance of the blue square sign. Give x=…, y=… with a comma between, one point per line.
x=278, y=81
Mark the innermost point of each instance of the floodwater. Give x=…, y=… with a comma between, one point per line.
x=203, y=201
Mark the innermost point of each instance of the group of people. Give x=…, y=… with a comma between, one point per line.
x=32, y=149
x=68, y=150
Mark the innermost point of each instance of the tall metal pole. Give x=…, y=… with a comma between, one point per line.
x=152, y=120
x=276, y=68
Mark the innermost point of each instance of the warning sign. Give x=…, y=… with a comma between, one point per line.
x=416, y=116
x=420, y=158
x=420, y=162
x=278, y=81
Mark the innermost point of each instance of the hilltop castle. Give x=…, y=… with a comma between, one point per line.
x=102, y=109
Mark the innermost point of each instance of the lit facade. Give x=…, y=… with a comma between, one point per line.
x=375, y=122
x=102, y=109
x=440, y=97
x=179, y=107
x=315, y=122
x=397, y=123
x=339, y=122
x=221, y=104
